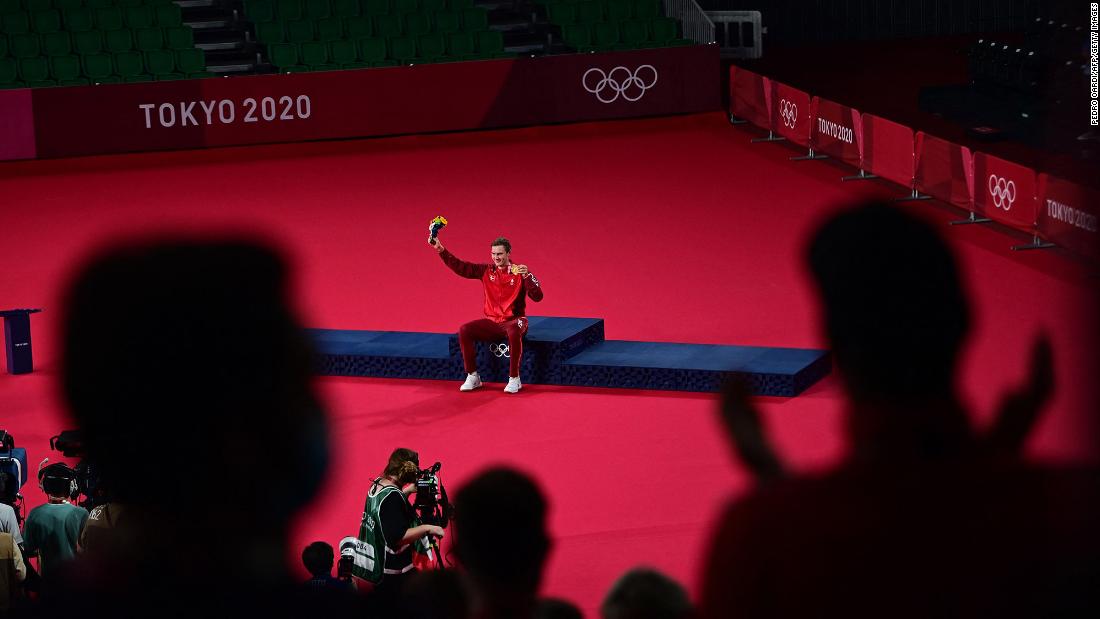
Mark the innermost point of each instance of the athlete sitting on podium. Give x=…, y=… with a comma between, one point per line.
x=506, y=287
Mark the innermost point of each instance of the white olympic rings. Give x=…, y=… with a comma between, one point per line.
x=619, y=82
x=500, y=350
x=1002, y=190
x=788, y=112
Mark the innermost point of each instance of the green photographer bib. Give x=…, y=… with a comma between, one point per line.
x=370, y=533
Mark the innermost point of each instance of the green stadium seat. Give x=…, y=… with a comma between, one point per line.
x=619, y=10
x=561, y=13
x=191, y=60
x=198, y=75
x=78, y=20
x=24, y=45
x=8, y=70
x=647, y=9
x=108, y=18
x=343, y=51
x=118, y=40
x=7, y=7
x=34, y=69
x=98, y=4
x=372, y=49
x=47, y=83
x=124, y=4
x=160, y=61
x=386, y=63
x=295, y=69
x=433, y=6
x=65, y=67
x=149, y=38
x=270, y=32
x=137, y=79
x=355, y=65
x=139, y=16
x=663, y=29
x=375, y=7
x=168, y=16
x=76, y=81
x=313, y=53
x=16, y=23
x=403, y=49
x=46, y=21
x=169, y=77
x=458, y=5
x=345, y=8
x=357, y=27
x=3, y=45
x=475, y=19
x=106, y=79
x=152, y=2
x=634, y=33
x=65, y=5
x=418, y=24
x=330, y=29
x=259, y=10
x=129, y=63
x=283, y=54
x=56, y=44
x=461, y=45
x=299, y=31
x=605, y=34
x=90, y=42
x=578, y=36
x=404, y=6
x=490, y=42
x=431, y=47
x=589, y=12
x=287, y=10
x=97, y=65
x=388, y=26
x=33, y=6
x=447, y=22
x=317, y=9
x=180, y=37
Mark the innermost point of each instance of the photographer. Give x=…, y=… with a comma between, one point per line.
x=390, y=524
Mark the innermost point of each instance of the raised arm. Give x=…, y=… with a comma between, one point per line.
x=533, y=285
x=469, y=270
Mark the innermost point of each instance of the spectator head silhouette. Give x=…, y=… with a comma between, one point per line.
x=190, y=377
x=895, y=315
x=644, y=593
x=319, y=558
x=500, y=536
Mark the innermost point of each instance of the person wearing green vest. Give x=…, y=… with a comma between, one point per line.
x=391, y=529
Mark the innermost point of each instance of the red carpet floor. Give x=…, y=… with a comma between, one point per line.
x=671, y=229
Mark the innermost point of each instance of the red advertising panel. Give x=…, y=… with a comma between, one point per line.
x=945, y=170
x=1005, y=192
x=16, y=124
x=751, y=97
x=370, y=102
x=1069, y=215
x=836, y=130
x=888, y=149
x=791, y=113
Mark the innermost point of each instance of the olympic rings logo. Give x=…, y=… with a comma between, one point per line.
x=619, y=82
x=1003, y=192
x=788, y=112
x=500, y=350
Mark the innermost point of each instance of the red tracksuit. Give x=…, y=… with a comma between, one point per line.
x=505, y=304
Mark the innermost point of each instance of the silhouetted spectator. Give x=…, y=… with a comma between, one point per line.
x=435, y=594
x=557, y=608
x=926, y=517
x=319, y=558
x=190, y=377
x=501, y=540
x=644, y=593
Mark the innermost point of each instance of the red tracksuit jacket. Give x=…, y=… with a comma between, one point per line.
x=504, y=292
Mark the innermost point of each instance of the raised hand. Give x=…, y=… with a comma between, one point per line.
x=1021, y=406
x=742, y=422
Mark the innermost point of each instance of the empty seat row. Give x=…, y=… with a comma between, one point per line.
x=14, y=6
x=94, y=41
x=272, y=10
x=81, y=19
x=376, y=51
x=623, y=35
x=389, y=26
x=95, y=67
x=593, y=11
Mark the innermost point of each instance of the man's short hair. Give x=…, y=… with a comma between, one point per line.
x=318, y=558
x=645, y=593
x=503, y=242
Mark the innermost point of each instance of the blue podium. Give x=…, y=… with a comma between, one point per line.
x=17, y=339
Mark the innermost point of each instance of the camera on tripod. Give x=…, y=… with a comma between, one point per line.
x=431, y=504
x=86, y=475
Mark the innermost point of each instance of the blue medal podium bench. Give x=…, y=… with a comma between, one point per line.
x=571, y=351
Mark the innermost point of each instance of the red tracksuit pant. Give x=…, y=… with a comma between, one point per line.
x=485, y=330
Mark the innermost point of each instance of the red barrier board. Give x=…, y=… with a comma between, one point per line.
x=836, y=130
x=1069, y=215
x=16, y=125
x=372, y=102
x=888, y=149
x=751, y=97
x=791, y=113
x=945, y=170
x=1005, y=192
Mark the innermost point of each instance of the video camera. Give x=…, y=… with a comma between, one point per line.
x=86, y=475
x=13, y=473
x=431, y=504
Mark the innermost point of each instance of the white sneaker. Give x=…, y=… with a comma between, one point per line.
x=473, y=381
x=513, y=385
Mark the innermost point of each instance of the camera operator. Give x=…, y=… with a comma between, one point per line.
x=51, y=530
x=388, y=506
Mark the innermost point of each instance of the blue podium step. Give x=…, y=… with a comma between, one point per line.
x=695, y=367
x=571, y=351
